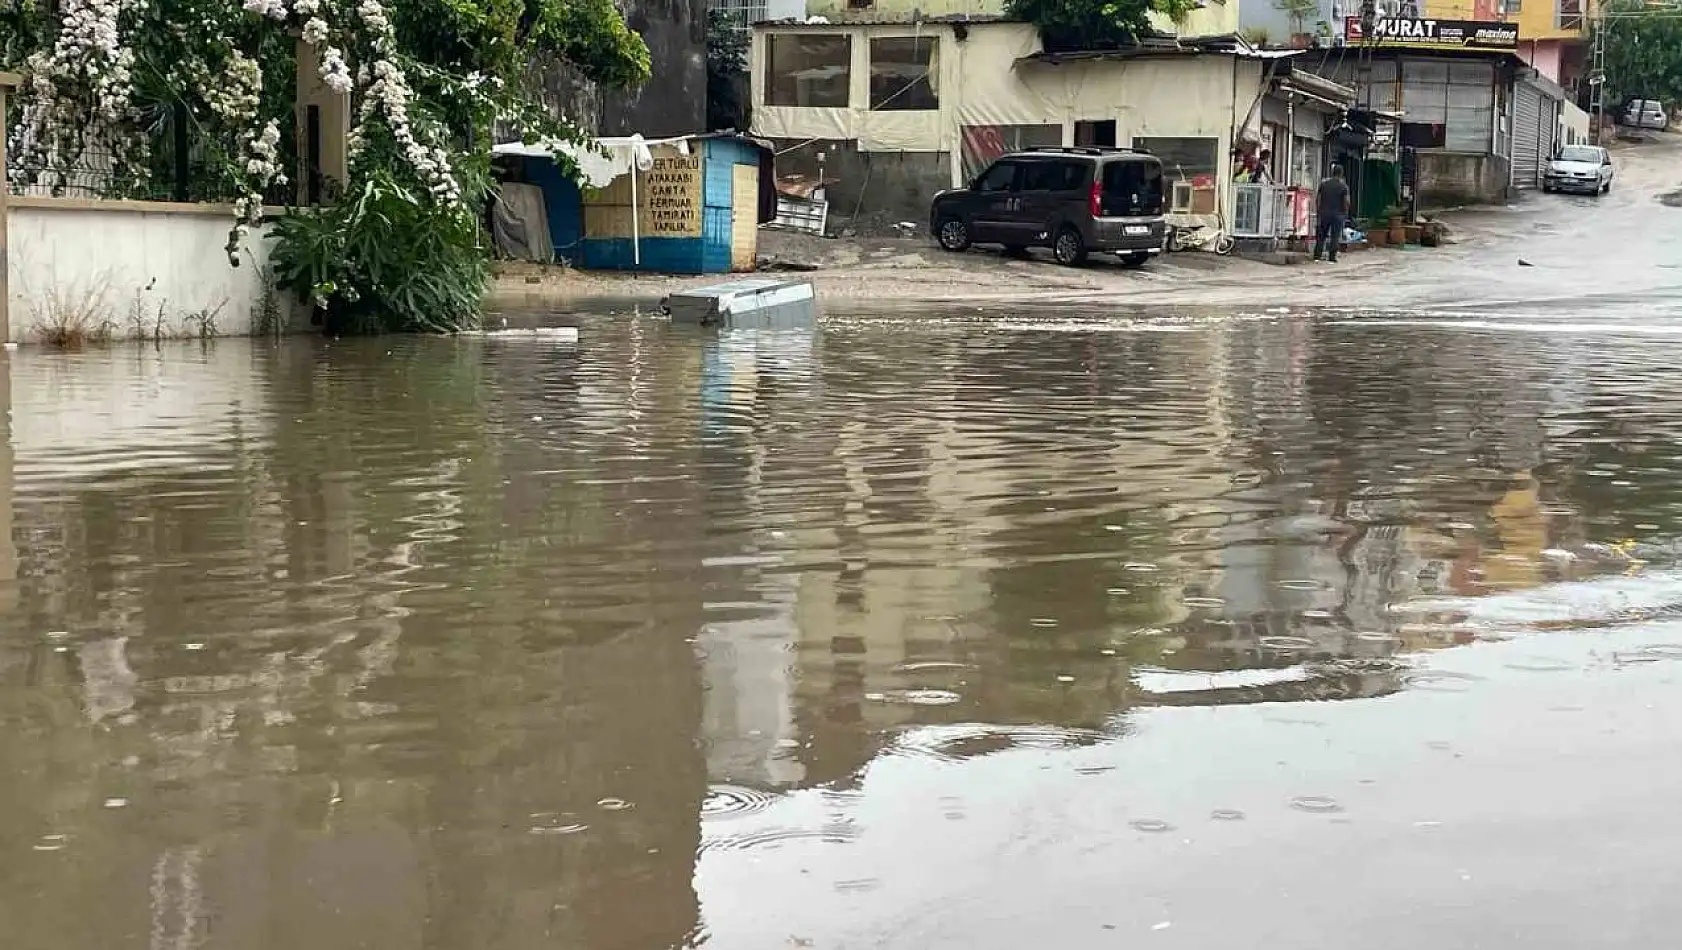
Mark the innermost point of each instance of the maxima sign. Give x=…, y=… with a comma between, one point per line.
x=1418, y=33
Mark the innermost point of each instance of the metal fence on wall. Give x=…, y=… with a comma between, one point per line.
x=179, y=163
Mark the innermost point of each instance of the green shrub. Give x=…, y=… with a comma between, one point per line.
x=382, y=260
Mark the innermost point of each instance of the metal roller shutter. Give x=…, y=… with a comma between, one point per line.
x=1527, y=144
x=1548, y=132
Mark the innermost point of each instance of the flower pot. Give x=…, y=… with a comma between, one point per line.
x=1377, y=238
x=1410, y=233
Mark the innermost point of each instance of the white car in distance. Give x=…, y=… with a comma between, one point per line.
x=1585, y=169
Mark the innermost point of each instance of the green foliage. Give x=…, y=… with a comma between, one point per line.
x=727, y=66
x=383, y=260
x=1643, y=53
x=1298, y=12
x=21, y=26
x=428, y=80
x=591, y=35
x=1095, y=24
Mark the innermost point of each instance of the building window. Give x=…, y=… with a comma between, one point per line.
x=808, y=70
x=1185, y=159
x=902, y=73
x=742, y=13
x=1191, y=166
x=1570, y=14
x=985, y=143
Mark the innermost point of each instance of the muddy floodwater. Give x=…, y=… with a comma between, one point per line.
x=1307, y=630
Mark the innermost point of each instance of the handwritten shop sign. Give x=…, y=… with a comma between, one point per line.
x=1420, y=33
x=669, y=197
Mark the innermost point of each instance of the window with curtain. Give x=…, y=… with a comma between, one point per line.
x=904, y=73
x=808, y=70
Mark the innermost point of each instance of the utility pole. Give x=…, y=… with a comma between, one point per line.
x=1597, y=78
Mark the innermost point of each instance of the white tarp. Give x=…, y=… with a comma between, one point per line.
x=598, y=166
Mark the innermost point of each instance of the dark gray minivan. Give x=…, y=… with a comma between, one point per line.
x=1076, y=201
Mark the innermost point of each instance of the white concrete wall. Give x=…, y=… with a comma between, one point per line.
x=1573, y=125
x=115, y=262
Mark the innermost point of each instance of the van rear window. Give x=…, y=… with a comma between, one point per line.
x=1132, y=188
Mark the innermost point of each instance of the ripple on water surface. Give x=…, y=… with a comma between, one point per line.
x=351, y=594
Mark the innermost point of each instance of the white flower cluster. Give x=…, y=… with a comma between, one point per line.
x=273, y=9
x=237, y=98
x=80, y=93
x=335, y=72
x=262, y=165
x=389, y=93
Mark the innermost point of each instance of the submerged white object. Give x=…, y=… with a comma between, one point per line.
x=757, y=302
x=536, y=334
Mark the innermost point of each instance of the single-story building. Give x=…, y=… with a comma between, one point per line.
x=1482, y=123
x=887, y=111
x=691, y=204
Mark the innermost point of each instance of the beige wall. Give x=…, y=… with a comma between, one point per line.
x=981, y=83
x=8, y=552
x=150, y=255
x=1574, y=124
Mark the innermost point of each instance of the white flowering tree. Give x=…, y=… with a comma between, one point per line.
x=109, y=82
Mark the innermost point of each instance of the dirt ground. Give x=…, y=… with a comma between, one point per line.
x=914, y=271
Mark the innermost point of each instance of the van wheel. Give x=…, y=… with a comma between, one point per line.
x=1135, y=260
x=1069, y=248
x=953, y=235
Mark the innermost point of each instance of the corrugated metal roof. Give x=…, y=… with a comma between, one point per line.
x=1142, y=52
x=884, y=18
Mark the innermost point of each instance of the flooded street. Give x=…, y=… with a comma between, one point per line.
x=1306, y=628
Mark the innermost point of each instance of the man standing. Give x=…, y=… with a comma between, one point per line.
x=1332, y=200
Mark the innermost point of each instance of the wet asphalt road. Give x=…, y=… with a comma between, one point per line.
x=1596, y=258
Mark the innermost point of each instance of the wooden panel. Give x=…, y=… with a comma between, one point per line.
x=744, y=228
x=668, y=199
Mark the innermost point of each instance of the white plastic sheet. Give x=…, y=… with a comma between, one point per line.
x=596, y=169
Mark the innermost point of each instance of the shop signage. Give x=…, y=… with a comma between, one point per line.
x=1420, y=33
x=1383, y=141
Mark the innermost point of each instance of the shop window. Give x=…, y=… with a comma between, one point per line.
x=903, y=73
x=808, y=70
x=983, y=144
x=1424, y=135
x=1191, y=166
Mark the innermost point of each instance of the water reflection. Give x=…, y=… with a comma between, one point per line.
x=480, y=642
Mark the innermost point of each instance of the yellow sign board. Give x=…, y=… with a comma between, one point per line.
x=669, y=197
x=669, y=200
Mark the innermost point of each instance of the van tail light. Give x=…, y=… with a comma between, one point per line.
x=1097, y=198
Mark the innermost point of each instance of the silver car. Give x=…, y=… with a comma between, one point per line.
x=1585, y=169
x=1645, y=114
